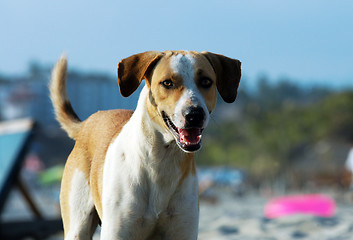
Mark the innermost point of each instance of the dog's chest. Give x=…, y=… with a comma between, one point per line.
x=163, y=184
x=146, y=178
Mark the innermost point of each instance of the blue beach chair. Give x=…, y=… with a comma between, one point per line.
x=15, y=139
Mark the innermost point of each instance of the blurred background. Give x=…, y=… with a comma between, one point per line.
x=290, y=129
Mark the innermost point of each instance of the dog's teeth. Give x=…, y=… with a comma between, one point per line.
x=182, y=138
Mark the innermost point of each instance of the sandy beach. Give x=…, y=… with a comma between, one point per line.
x=243, y=218
x=230, y=217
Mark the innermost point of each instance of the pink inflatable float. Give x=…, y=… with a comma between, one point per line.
x=311, y=204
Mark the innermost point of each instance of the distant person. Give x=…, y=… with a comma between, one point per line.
x=349, y=164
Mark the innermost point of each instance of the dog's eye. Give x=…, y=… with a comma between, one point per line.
x=205, y=82
x=167, y=83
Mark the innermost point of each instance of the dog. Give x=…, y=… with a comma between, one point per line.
x=134, y=172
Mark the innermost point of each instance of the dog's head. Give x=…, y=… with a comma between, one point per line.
x=182, y=89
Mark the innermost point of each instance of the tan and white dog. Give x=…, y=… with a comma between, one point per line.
x=135, y=171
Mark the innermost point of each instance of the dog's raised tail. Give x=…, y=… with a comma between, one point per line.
x=64, y=112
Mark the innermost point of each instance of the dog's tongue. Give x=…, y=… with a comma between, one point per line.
x=190, y=136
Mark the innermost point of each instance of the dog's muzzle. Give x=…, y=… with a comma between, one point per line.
x=189, y=136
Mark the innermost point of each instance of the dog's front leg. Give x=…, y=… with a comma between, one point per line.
x=126, y=221
x=180, y=219
x=124, y=204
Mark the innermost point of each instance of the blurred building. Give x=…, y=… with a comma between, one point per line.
x=29, y=97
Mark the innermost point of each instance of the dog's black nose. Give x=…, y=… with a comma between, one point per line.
x=194, y=117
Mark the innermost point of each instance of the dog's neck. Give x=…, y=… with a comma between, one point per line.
x=154, y=134
x=163, y=163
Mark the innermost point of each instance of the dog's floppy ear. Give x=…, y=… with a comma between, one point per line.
x=132, y=70
x=228, y=74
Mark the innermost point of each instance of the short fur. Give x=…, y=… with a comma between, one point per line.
x=135, y=171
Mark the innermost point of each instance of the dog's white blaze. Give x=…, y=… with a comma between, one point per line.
x=81, y=203
x=183, y=65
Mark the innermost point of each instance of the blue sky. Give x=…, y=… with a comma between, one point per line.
x=306, y=41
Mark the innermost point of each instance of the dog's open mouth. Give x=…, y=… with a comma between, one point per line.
x=188, y=139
